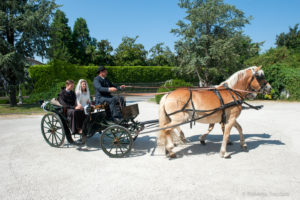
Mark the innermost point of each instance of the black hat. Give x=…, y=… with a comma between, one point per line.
x=100, y=69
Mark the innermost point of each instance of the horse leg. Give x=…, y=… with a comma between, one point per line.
x=182, y=136
x=203, y=137
x=169, y=144
x=223, y=129
x=242, y=139
x=227, y=130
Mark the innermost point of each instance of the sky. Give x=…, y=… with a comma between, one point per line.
x=152, y=20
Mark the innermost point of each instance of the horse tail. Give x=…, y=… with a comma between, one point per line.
x=163, y=135
x=163, y=117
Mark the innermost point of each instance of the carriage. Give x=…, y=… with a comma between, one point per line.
x=116, y=140
x=221, y=104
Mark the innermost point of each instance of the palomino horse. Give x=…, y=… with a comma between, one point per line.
x=185, y=104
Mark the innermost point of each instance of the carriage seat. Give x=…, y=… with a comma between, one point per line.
x=55, y=102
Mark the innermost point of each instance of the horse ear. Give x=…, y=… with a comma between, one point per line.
x=258, y=68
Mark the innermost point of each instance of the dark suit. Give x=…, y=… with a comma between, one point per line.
x=101, y=86
x=75, y=117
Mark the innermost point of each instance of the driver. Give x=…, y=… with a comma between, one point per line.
x=103, y=88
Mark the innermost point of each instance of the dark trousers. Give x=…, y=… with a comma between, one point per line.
x=115, y=103
x=75, y=119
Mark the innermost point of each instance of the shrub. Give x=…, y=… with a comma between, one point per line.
x=4, y=101
x=171, y=85
x=45, y=95
x=283, y=78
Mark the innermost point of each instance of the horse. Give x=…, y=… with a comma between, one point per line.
x=265, y=90
x=209, y=106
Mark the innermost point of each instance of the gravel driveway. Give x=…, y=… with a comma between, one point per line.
x=31, y=169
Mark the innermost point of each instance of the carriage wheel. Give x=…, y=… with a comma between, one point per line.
x=53, y=130
x=116, y=141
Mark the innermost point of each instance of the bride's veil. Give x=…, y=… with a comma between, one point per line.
x=78, y=89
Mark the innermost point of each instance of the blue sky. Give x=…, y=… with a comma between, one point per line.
x=152, y=20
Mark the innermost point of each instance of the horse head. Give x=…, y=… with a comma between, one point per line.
x=258, y=82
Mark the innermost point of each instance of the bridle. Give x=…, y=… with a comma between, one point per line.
x=260, y=79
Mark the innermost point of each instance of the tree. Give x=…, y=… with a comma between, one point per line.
x=291, y=39
x=212, y=43
x=60, y=38
x=103, y=54
x=81, y=42
x=129, y=53
x=161, y=56
x=24, y=32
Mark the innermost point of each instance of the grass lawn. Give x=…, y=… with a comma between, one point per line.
x=20, y=109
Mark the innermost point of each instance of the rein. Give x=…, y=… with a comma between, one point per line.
x=191, y=88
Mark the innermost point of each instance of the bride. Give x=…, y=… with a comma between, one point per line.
x=82, y=93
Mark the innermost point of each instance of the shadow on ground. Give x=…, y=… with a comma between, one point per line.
x=213, y=144
x=147, y=144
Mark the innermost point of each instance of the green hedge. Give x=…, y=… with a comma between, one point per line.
x=46, y=78
x=44, y=75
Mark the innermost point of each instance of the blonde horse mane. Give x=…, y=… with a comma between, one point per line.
x=233, y=79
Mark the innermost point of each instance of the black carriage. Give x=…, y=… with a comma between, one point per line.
x=116, y=140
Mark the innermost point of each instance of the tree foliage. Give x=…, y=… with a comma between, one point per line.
x=212, y=44
x=81, y=42
x=161, y=56
x=24, y=31
x=60, y=38
x=103, y=54
x=291, y=40
x=129, y=53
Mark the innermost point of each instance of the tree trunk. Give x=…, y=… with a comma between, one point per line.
x=201, y=82
x=12, y=96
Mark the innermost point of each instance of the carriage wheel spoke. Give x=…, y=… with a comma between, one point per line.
x=112, y=146
x=57, y=127
x=46, y=129
x=56, y=136
x=55, y=139
x=52, y=138
x=59, y=133
x=121, y=149
x=109, y=136
x=49, y=120
x=49, y=125
x=125, y=147
x=52, y=119
x=49, y=136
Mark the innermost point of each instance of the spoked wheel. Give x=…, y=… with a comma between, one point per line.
x=53, y=130
x=116, y=141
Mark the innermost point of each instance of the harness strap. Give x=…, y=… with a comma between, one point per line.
x=184, y=106
x=193, y=115
x=223, y=120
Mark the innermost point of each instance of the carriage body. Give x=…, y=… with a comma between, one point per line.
x=116, y=140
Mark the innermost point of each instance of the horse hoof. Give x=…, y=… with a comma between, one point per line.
x=167, y=153
x=202, y=142
x=227, y=156
x=172, y=155
x=245, y=148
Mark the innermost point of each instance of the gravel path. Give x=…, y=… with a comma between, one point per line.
x=31, y=169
